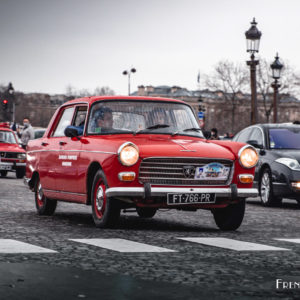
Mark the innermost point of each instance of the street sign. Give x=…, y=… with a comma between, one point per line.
x=201, y=114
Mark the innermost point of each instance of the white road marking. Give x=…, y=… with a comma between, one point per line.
x=232, y=244
x=13, y=246
x=297, y=241
x=122, y=245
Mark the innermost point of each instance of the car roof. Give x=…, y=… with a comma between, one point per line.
x=277, y=125
x=5, y=129
x=93, y=99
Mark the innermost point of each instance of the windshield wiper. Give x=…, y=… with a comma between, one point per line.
x=187, y=129
x=156, y=126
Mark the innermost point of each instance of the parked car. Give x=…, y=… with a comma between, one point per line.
x=148, y=153
x=39, y=132
x=277, y=174
x=12, y=156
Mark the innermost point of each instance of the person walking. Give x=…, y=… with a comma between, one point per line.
x=26, y=134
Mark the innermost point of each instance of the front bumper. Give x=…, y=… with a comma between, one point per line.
x=231, y=192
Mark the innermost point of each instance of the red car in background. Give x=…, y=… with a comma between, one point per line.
x=148, y=153
x=12, y=155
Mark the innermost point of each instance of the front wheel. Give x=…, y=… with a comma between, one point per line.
x=105, y=210
x=230, y=217
x=146, y=212
x=44, y=206
x=266, y=190
x=20, y=173
x=3, y=173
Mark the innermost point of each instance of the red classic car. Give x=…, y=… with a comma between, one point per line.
x=12, y=155
x=148, y=153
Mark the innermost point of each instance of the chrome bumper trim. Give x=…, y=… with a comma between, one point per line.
x=21, y=164
x=162, y=191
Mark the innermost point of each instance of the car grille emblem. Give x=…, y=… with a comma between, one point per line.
x=188, y=171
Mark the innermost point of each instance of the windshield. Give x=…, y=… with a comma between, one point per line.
x=284, y=138
x=108, y=117
x=7, y=137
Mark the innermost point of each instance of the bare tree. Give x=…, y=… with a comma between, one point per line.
x=231, y=79
x=72, y=92
x=289, y=84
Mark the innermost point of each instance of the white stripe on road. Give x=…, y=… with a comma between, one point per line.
x=297, y=241
x=12, y=246
x=232, y=244
x=122, y=245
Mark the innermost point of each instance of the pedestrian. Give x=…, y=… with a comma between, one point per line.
x=214, y=134
x=26, y=134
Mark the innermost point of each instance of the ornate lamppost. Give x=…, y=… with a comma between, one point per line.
x=253, y=38
x=276, y=67
x=128, y=72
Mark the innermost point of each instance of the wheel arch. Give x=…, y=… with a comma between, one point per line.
x=32, y=181
x=92, y=170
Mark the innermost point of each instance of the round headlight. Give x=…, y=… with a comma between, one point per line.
x=21, y=156
x=128, y=154
x=248, y=157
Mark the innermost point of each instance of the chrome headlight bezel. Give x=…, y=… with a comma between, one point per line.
x=241, y=152
x=121, y=149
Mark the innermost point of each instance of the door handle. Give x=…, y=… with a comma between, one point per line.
x=44, y=144
x=62, y=143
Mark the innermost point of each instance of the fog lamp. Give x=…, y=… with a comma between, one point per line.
x=246, y=178
x=296, y=184
x=126, y=176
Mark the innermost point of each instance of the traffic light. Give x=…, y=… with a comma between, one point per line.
x=4, y=104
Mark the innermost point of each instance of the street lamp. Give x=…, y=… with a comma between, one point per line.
x=253, y=38
x=276, y=67
x=11, y=92
x=128, y=72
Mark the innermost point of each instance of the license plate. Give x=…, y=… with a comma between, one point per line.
x=7, y=168
x=212, y=171
x=190, y=198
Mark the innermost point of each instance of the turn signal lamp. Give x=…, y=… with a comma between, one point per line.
x=246, y=178
x=126, y=176
x=128, y=154
x=248, y=157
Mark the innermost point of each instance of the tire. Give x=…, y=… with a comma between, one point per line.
x=3, y=173
x=20, y=173
x=44, y=206
x=266, y=193
x=146, y=212
x=105, y=211
x=230, y=217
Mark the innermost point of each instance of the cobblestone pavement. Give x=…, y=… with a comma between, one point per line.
x=201, y=269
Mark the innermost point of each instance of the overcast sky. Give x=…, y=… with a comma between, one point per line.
x=46, y=45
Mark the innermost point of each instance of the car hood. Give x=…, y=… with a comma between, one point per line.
x=4, y=147
x=295, y=154
x=179, y=147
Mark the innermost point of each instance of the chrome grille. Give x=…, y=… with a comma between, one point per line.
x=9, y=154
x=169, y=171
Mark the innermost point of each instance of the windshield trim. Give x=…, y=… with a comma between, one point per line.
x=139, y=100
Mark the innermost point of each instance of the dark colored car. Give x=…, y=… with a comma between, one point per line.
x=277, y=174
x=38, y=133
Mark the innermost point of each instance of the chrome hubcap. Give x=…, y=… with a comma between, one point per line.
x=265, y=188
x=99, y=198
x=40, y=192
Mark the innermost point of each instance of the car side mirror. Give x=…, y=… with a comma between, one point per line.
x=71, y=132
x=255, y=144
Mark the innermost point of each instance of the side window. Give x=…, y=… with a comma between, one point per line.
x=244, y=136
x=80, y=116
x=257, y=136
x=65, y=120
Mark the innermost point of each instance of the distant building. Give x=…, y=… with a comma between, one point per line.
x=218, y=111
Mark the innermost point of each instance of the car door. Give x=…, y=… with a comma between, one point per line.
x=69, y=155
